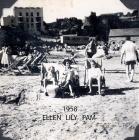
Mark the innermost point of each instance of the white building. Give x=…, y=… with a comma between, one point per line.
x=29, y=18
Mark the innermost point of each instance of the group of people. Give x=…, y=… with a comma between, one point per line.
x=68, y=79
x=93, y=65
x=129, y=55
x=93, y=69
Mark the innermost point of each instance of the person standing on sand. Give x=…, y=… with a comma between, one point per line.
x=90, y=49
x=4, y=60
x=130, y=55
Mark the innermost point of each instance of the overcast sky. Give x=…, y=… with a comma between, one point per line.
x=53, y=9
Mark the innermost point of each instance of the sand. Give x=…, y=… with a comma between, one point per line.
x=94, y=117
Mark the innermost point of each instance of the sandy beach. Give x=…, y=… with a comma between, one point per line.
x=110, y=117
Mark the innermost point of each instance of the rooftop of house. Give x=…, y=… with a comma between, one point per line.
x=124, y=32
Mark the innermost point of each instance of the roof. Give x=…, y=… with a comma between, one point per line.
x=124, y=32
x=27, y=7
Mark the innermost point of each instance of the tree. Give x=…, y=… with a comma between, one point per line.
x=16, y=38
x=102, y=29
x=2, y=37
x=90, y=24
x=135, y=13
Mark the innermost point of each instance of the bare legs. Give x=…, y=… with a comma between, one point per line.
x=48, y=81
x=71, y=90
x=90, y=85
x=130, y=69
x=99, y=82
x=132, y=72
x=99, y=85
x=127, y=72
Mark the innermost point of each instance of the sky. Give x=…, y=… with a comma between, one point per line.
x=53, y=9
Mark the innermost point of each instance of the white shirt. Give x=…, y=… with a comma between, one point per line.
x=94, y=73
x=129, y=50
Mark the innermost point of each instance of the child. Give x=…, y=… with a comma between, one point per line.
x=95, y=73
x=50, y=77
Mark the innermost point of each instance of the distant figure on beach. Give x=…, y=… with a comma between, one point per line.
x=129, y=56
x=99, y=50
x=90, y=51
x=90, y=48
x=6, y=59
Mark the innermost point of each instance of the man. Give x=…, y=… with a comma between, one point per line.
x=130, y=55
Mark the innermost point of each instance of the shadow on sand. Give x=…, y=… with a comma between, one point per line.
x=136, y=135
x=117, y=71
x=119, y=91
x=114, y=71
x=135, y=82
x=3, y=138
x=83, y=91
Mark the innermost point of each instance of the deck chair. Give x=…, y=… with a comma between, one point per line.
x=59, y=68
x=27, y=63
x=100, y=83
x=16, y=61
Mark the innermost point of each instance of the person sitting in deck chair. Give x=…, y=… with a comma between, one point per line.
x=70, y=78
x=95, y=73
x=50, y=77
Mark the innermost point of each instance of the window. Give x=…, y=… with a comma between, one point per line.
x=38, y=19
x=21, y=25
x=32, y=20
x=31, y=13
x=20, y=19
x=32, y=25
x=38, y=26
x=27, y=25
x=20, y=13
x=12, y=21
x=38, y=14
x=27, y=19
x=26, y=13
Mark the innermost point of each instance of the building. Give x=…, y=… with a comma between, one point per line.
x=29, y=18
x=119, y=35
x=74, y=40
x=9, y=21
